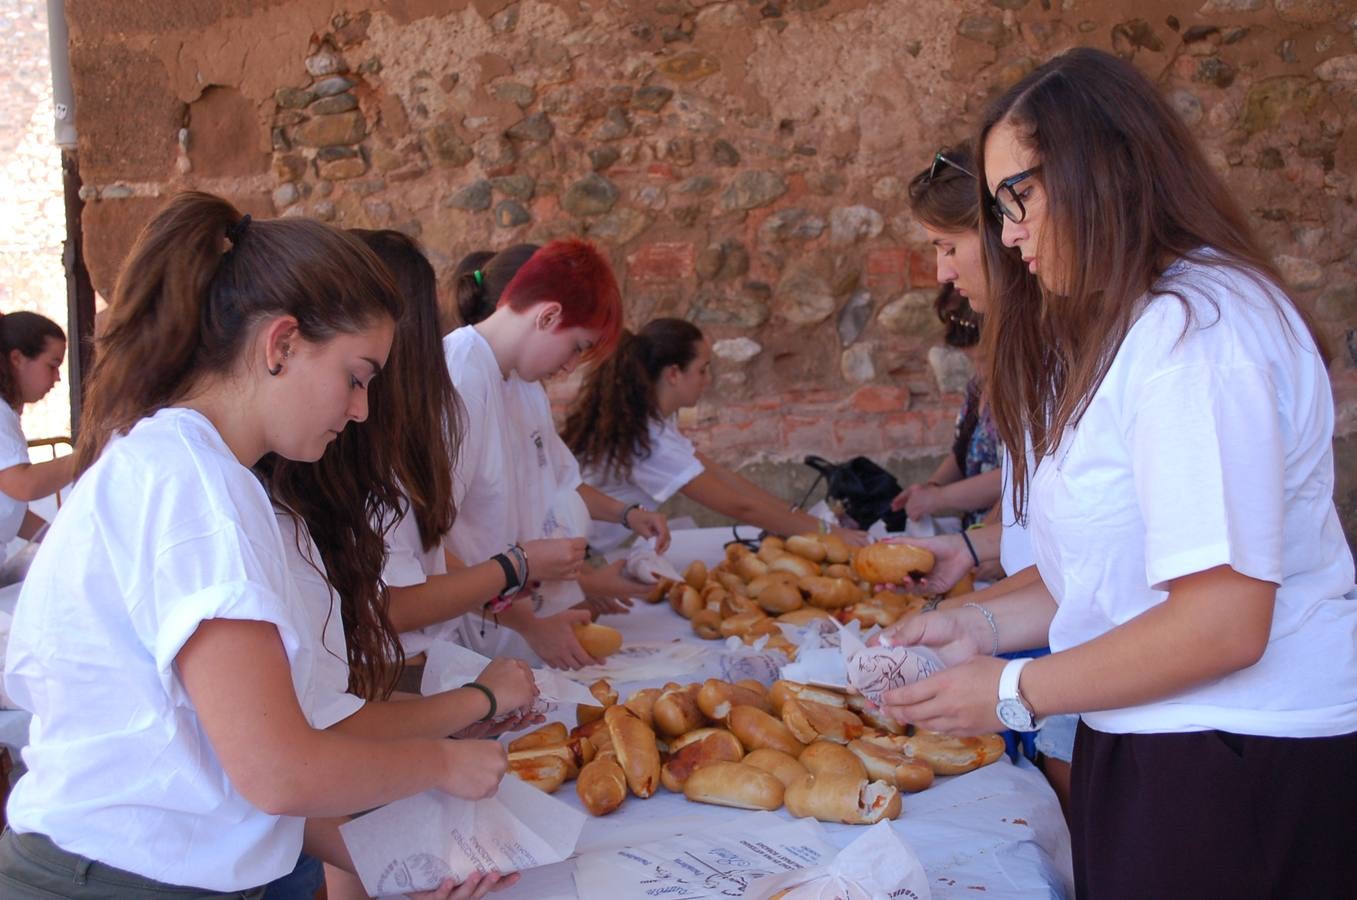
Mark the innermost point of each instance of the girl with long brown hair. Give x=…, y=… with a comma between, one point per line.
x=31, y=350
x=1195, y=584
x=623, y=429
x=157, y=641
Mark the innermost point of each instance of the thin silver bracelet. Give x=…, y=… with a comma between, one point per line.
x=994, y=626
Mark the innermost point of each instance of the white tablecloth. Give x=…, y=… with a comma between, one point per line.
x=996, y=833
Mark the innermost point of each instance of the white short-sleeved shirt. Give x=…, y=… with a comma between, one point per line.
x=13, y=452
x=166, y=530
x=509, y=483
x=325, y=699
x=1015, y=544
x=1205, y=448
x=408, y=564
x=671, y=464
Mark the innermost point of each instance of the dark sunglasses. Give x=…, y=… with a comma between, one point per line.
x=1007, y=204
x=939, y=161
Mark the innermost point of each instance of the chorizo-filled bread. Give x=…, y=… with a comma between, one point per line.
x=602, y=786
x=756, y=728
x=555, y=733
x=599, y=641
x=734, y=784
x=829, y=593
x=634, y=743
x=676, y=712
x=948, y=755
x=806, y=547
x=796, y=565
x=696, y=574
x=828, y=758
x=842, y=798
x=809, y=721
x=694, y=750
x=556, y=751
x=782, y=766
x=717, y=698
x=885, y=563
x=546, y=773
x=892, y=767
x=783, y=690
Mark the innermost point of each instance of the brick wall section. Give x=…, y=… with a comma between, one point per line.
x=743, y=164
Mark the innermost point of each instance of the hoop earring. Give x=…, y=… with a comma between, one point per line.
x=276, y=369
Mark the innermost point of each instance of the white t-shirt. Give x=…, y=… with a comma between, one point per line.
x=166, y=530
x=325, y=699
x=408, y=564
x=13, y=452
x=672, y=463
x=1200, y=449
x=511, y=479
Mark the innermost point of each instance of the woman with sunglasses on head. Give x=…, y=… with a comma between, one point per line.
x=157, y=641
x=1195, y=583
x=32, y=347
x=623, y=428
x=514, y=479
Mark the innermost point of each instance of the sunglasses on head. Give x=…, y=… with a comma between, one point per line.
x=939, y=161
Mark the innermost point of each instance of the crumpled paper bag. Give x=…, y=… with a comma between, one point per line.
x=451, y=665
x=646, y=565
x=872, y=671
x=879, y=865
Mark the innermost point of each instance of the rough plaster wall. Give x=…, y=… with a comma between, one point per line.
x=743, y=163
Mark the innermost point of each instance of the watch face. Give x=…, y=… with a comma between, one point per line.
x=1014, y=714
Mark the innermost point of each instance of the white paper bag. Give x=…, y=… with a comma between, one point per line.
x=877, y=866
x=648, y=566
x=416, y=843
x=450, y=666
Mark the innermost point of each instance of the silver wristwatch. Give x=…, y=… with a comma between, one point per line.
x=1012, y=709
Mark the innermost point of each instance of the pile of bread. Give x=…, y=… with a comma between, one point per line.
x=795, y=581
x=819, y=752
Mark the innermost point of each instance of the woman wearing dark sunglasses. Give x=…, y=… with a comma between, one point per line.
x=1194, y=581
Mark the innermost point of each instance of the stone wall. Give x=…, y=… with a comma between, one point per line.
x=743, y=162
x=32, y=213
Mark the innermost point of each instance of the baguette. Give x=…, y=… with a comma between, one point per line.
x=826, y=758
x=734, y=784
x=756, y=728
x=602, y=786
x=599, y=641
x=545, y=736
x=634, y=743
x=891, y=563
x=717, y=698
x=842, y=798
x=782, y=766
x=809, y=721
x=695, y=750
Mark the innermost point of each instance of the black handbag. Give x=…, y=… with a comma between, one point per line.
x=863, y=488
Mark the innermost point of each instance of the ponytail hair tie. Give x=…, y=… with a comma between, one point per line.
x=480, y=278
x=236, y=230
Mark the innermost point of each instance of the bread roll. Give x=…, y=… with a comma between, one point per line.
x=796, y=565
x=734, y=784
x=717, y=698
x=842, y=798
x=634, y=743
x=829, y=593
x=750, y=567
x=840, y=570
x=965, y=586
x=605, y=693
x=891, y=563
x=948, y=755
x=602, y=786
x=803, y=616
x=806, y=547
x=675, y=713
x=642, y=703
x=776, y=641
x=659, y=591
x=836, y=551
x=824, y=757
x=697, y=749
x=754, y=622
x=770, y=551
x=684, y=600
x=731, y=582
x=696, y=574
x=756, y=728
x=599, y=641
x=555, y=733
x=546, y=773
x=707, y=624
x=556, y=751
x=735, y=550
x=782, y=766
x=753, y=684
x=781, y=597
x=892, y=767
x=783, y=690
x=734, y=604
x=808, y=721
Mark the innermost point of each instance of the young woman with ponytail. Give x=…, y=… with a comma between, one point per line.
x=157, y=640
x=32, y=347
x=623, y=430
x=514, y=480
